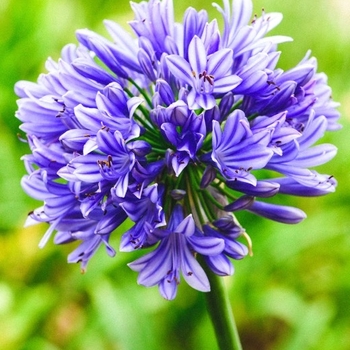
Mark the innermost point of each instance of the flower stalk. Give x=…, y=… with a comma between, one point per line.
x=221, y=314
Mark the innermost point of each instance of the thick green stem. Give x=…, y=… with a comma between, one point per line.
x=221, y=314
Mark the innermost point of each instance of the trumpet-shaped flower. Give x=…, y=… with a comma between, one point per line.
x=206, y=76
x=176, y=254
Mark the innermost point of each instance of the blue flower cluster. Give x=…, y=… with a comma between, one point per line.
x=169, y=130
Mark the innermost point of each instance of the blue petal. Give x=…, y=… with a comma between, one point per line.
x=75, y=139
x=146, y=65
x=168, y=288
x=235, y=249
x=110, y=143
x=220, y=265
x=165, y=92
x=121, y=185
x=179, y=162
x=180, y=68
x=315, y=156
x=186, y=226
x=314, y=130
x=284, y=214
x=92, y=71
x=89, y=118
x=262, y=189
x=59, y=205
x=102, y=48
x=226, y=84
x=207, y=245
x=86, y=168
x=197, y=55
x=192, y=272
x=220, y=63
x=206, y=101
x=111, y=220
x=157, y=266
x=34, y=186
x=292, y=187
x=190, y=25
x=241, y=203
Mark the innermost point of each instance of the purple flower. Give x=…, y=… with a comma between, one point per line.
x=155, y=21
x=236, y=150
x=175, y=254
x=183, y=129
x=229, y=230
x=147, y=213
x=205, y=76
x=114, y=164
x=179, y=128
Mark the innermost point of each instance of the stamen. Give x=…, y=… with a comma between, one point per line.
x=104, y=127
x=207, y=77
x=249, y=242
x=254, y=19
x=107, y=162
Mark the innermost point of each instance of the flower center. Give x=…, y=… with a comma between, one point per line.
x=205, y=83
x=207, y=77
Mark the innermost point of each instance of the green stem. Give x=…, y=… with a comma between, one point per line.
x=194, y=207
x=142, y=92
x=236, y=105
x=220, y=312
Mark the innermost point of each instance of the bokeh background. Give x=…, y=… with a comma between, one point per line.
x=293, y=294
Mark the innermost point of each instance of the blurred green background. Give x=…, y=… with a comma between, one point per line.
x=293, y=294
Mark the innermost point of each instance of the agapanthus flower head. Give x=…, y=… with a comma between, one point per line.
x=173, y=128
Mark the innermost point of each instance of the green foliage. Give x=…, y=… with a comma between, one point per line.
x=292, y=294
